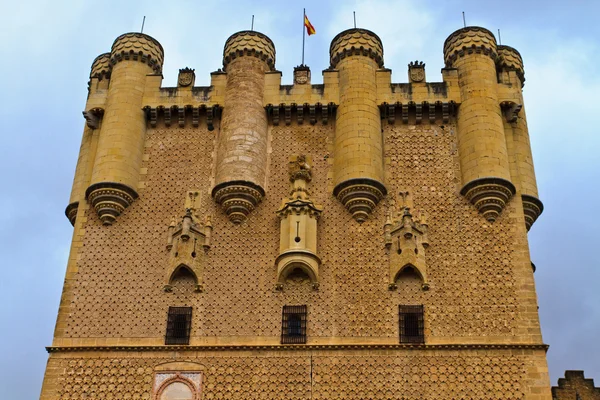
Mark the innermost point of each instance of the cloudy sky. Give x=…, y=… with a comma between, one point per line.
x=48, y=48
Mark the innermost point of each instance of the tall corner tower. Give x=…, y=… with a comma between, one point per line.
x=358, y=239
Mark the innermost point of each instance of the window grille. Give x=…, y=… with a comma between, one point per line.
x=293, y=325
x=179, y=324
x=411, y=324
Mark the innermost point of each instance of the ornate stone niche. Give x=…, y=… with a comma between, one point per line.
x=298, y=227
x=187, y=242
x=406, y=238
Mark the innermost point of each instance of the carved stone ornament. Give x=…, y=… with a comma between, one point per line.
x=511, y=110
x=93, y=117
x=187, y=241
x=360, y=196
x=186, y=77
x=238, y=199
x=110, y=199
x=489, y=195
x=298, y=224
x=301, y=75
x=406, y=238
x=416, y=71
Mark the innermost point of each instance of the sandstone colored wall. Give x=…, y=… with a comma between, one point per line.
x=348, y=375
x=482, y=287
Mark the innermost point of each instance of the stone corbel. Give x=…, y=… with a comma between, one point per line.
x=93, y=117
x=511, y=110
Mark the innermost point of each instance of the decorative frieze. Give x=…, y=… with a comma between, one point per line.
x=184, y=114
x=314, y=111
x=413, y=111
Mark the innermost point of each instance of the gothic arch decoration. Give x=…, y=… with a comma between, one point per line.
x=298, y=216
x=408, y=268
x=187, y=243
x=188, y=383
x=177, y=272
x=406, y=239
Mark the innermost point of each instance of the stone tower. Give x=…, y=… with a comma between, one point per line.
x=357, y=239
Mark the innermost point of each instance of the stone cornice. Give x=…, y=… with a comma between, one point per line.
x=302, y=347
x=170, y=114
x=312, y=112
x=434, y=110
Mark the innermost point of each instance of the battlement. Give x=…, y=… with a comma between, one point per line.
x=249, y=43
x=472, y=39
x=437, y=101
x=140, y=47
x=356, y=42
x=101, y=67
x=509, y=59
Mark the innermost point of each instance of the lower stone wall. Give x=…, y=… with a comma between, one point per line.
x=511, y=373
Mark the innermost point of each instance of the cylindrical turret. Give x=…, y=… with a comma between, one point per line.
x=358, y=147
x=100, y=70
x=242, y=150
x=481, y=141
x=121, y=143
x=510, y=68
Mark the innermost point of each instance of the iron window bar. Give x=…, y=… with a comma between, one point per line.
x=411, y=324
x=293, y=325
x=179, y=325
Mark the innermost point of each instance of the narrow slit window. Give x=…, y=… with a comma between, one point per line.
x=411, y=324
x=179, y=324
x=293, y=325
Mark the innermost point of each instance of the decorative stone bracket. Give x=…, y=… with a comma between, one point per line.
x=511, y=111
x=298, y=227
x=169, y=113
x=310, y=111
x=407, y=241
x=93, y=117
x=187, y=241
x=437, y=110
x=489, y=195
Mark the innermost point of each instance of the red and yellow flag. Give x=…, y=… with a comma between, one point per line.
x=309, y=28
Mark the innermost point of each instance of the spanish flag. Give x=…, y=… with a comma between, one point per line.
x=309, y=28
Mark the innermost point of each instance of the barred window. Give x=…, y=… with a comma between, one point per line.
x=293, y=325
x=179, y=324
x=411, y=324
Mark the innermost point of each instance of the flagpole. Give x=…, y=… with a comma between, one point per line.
x=303, y=33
